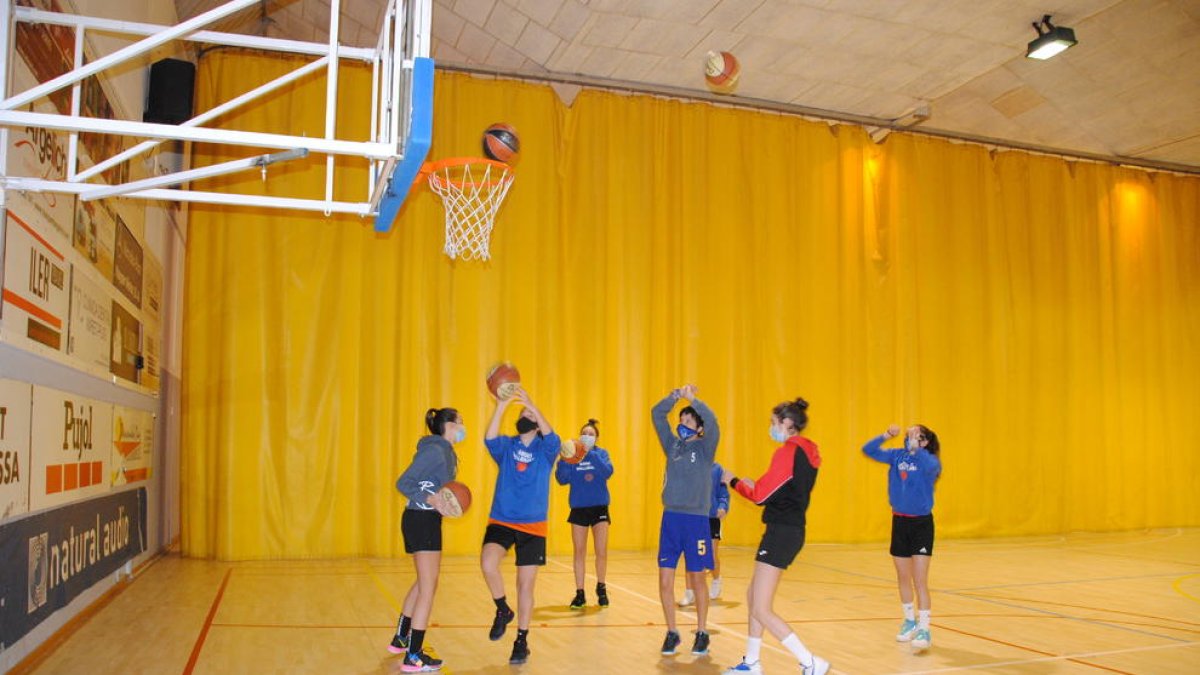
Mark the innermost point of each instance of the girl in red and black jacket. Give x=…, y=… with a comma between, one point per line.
x=783, y=491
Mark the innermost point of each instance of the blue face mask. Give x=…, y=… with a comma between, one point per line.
x=685, y=432
x=589, y=442
x=778, y=434
x=462, y=433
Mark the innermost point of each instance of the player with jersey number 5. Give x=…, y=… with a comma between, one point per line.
x=434, y=465
x=914, y=470
x=686, y=497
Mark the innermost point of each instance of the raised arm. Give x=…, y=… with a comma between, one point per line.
x=603, y=462
x=874, y=447
x=658, y=415
x=543, y=426
x=712, y=429
x=777, y=475
x=493, y=429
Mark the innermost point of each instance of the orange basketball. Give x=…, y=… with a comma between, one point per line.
x=721, y=71
x=503, y=380
x=572, y=451
x=501, y=143
x=458, y=496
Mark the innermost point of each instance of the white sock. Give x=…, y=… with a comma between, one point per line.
x=908, y=611
x=796, y=647
x=923, y=622
x=753, y=647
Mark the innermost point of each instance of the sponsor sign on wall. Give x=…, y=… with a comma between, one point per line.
x=125, y=343
x=132, y=445
x=15, y=398
x=70, y=448
x=50, y=558
x=36, y=278
x=91, y=323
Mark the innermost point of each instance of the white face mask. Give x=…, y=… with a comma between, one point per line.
x=588, y=441
x=462, y=433
x=778, y=434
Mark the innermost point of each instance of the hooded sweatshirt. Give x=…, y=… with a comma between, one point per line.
x=434, y=465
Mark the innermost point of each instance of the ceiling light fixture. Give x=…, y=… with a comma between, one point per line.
x=1051, y=40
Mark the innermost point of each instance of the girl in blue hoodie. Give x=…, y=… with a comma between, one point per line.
x=434, y=465
x=589, y=509
x=914, y=471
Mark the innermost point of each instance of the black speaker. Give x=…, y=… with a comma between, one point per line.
x=171, y=85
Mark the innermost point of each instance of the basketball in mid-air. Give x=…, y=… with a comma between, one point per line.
x=501, y=143
x=503, y=380
x=458, y=496
x=721, y=71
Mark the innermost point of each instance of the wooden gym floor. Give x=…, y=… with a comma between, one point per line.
x=1083, y=603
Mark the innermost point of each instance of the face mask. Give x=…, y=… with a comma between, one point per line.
x=525, y=425
x=778, y=434
x=911, y=444
x=462, y=433
x=589, y=442
x=685, y=432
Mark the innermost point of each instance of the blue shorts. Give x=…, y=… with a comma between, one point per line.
x=687, y=534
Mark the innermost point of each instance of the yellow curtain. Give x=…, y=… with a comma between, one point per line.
x=1037, y=313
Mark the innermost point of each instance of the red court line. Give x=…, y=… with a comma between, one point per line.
x=212, y=611
x=1030, y=649
x=1066, y=604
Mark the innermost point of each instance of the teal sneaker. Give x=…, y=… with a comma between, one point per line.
x=921, y=640
x=907, y=630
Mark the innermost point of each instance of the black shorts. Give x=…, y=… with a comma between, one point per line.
x=714, y=524
x=780, y=545
x=588, y=516
x=912, y=535
x=531, y=549
x=422, y=530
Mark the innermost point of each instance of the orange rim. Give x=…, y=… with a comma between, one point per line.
x=450, y=162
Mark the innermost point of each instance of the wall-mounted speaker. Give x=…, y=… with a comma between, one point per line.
x=172, y=83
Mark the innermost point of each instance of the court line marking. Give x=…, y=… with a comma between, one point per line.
x=658, y=603
x=1177, y=586
x=1044, y=659
x=212, y=611
x=1028, y=649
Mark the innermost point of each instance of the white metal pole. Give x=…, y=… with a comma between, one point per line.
x=203, y=117
x=256, y=139
x=73, y=142
x=226, y=198
x=331, y=89
x=31, y=15
x=181, y=177
x=136, y=49
x=6, y=52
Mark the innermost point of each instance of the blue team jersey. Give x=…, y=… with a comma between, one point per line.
x=523, y=483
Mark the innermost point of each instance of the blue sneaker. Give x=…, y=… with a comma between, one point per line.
x=670, y=645
x=907, y=630
x=743, y=667
x=921, y=640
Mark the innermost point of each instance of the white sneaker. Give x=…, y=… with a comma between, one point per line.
x=743, y=667
x=921, y=640
x=819, y=666
x=689, y=598
x=714, y=591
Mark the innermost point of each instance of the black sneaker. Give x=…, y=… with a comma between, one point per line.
x=602, y=595
x=579, y=602
x=420, y=662
x=700, y=646
x=671, y=644
x=399, y=645
x=500, y=623
x=520, y=653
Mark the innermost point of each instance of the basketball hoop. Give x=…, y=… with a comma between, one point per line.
x=472, y=189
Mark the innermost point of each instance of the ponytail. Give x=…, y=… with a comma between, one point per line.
x=436, y=418
x=796, y=411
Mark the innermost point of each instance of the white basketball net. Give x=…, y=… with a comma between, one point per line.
x=471, y=192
